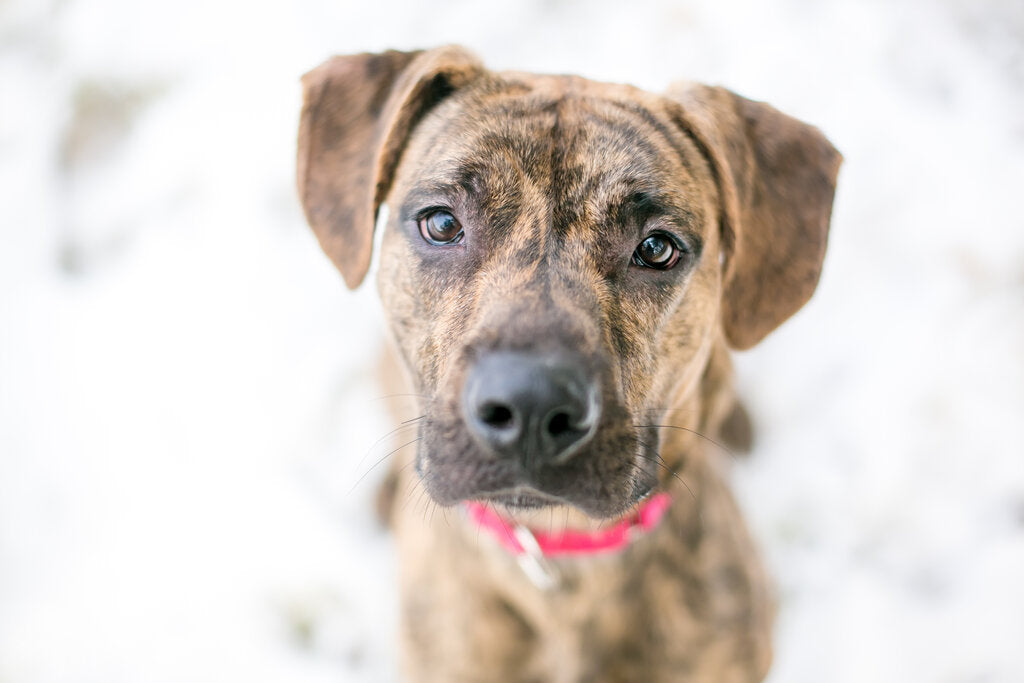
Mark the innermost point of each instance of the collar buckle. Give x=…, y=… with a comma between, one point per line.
x=531, y=560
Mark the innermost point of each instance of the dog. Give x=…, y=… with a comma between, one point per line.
x=565, y=266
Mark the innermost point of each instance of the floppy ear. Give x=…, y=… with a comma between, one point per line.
x=776, y=178
x=357, y=114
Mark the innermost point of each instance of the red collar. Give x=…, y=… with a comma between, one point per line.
x=570, y=542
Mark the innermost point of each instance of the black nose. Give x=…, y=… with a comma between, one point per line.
x=535, y=407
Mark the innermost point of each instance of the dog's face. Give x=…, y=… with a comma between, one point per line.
x=560, y=256
x=552, y=257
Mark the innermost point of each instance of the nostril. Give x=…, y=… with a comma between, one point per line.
x=496, y=415
x=559, y=424
x=539, y=409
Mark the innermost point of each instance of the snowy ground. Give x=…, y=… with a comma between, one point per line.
x=186, y=408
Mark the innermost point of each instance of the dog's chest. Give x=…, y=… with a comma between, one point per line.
x=677, y=601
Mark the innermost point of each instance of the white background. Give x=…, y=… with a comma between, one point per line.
x=187, y=400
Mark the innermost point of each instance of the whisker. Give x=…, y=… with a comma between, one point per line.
x=659, y=460
x=433, y=510
x=718, y=445
x=669, y=410
x=673, y=473
x=405, y=424
x=410, y=484
x=424, y=501
x=386, y=397
x=386, y=456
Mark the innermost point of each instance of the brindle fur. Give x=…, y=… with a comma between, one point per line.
x=556, y=179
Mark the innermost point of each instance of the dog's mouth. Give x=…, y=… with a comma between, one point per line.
x=524, y=500
x=604, y=482
x=521, y=500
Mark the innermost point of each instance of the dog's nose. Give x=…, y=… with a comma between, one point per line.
x=539, y=408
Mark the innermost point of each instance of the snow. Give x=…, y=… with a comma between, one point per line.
x=188, y=415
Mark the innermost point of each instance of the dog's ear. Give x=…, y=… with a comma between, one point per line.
x=776, y=178
x=357, y=114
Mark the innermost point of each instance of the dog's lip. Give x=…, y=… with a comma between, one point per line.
x=644, y=496
x=521, y=498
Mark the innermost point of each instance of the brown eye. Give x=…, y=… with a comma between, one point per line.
x=440, y=227
x=657, y=251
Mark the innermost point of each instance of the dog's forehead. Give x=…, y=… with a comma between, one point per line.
x=578, y=142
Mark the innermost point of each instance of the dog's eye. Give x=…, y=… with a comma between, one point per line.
x=440, y=227
x=657, y=251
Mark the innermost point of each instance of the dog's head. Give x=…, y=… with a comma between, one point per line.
x=560, y=256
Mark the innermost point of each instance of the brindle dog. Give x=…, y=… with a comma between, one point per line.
x=565, y=265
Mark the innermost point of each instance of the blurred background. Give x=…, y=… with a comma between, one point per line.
x=188, y=416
